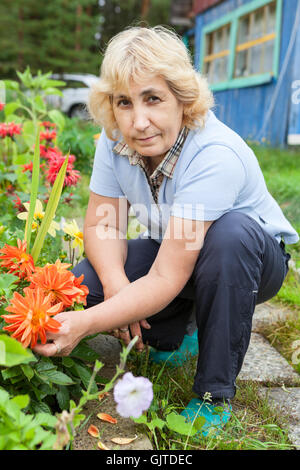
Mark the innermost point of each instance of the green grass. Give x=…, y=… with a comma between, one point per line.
x=281, y=170
x=254, y=424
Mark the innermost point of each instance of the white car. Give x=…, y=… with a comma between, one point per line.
x=75, y=94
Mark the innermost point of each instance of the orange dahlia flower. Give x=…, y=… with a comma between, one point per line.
x=81, y=298
x=16, y=260
x=56, y=280
x=31, y=316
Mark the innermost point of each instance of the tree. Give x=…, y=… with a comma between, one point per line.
x=119, y=14
x=57, y=36
x=67, y=36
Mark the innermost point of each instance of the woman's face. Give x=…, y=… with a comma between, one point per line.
x=149, y=116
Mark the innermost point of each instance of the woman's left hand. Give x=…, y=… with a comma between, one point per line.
x=72, y=330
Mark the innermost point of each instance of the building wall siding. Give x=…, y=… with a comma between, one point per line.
x=245, y=109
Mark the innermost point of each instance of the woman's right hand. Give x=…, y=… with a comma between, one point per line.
x=124, y=331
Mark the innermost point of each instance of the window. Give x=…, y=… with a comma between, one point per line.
x=217, y=53
x=255, y=42
x=242, y=48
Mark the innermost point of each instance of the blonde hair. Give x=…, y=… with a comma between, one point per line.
x=141, y=52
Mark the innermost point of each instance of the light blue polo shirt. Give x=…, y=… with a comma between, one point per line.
x=216, y=173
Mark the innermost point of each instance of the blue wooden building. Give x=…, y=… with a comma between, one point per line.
x=250, y=52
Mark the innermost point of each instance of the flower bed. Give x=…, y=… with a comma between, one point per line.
x=41, y=397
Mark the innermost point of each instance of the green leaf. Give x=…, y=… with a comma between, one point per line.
x=141, y=420
x=77, y=420
x=39, y=104
x=98, y=365
x=53, y=91
x=44, y=363
x=28, y=133
x=44, y=419
x=21, y=400
x=72, y=403
x=199, y=423
x=22, y=158
x=14, y=118
x=27, y=371
x=85, y=375
x=11, y=107
x=6, y=280
x=53, y=83
x=11, y=85
x=58, y=118
x=67, y=362
x=40, y=406
x=11, y=372
x=176, y=422
x=156, y=423
x=84, y=352
x=56, y=377
x=50, y=210
x=13, y=353
x=63, y=397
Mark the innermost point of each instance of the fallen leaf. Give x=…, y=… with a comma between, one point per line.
x=106, y=417
x=123, y=440
x=93, y=431
x=102, y=446
x=102, y=395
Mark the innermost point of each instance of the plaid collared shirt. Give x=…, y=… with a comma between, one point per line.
x=166, y=166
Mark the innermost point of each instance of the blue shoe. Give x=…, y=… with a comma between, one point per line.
x=216, y=414
x=188, y=348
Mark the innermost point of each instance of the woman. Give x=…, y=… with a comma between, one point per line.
x=214, y=247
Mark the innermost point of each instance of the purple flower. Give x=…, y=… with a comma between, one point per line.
x=133, y=395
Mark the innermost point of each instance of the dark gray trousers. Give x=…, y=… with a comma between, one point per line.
x=239, y=266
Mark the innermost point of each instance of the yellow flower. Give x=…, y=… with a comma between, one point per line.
x=72, y=229
x=38, y=217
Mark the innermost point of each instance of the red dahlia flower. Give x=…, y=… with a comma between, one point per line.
x=18, y=204
x=55, y=163
x=48, y=135
x=9, y=129
x=49, y=152
x=3, y=130
x=48, y=124
x=29, y=167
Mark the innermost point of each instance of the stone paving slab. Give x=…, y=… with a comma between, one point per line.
x=267, y=314
x=264, y=364
x=288, y=402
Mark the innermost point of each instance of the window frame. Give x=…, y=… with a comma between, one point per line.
x=232, y=19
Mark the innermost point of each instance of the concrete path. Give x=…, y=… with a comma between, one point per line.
x=263, y=364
